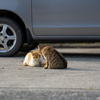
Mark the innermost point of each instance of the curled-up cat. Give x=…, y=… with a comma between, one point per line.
x=54, y=59
x=34, y=59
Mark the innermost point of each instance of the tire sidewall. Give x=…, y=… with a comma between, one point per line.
x=18, y=32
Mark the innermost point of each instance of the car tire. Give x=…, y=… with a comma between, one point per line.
x=11, y=37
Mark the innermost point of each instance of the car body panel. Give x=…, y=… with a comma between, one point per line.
x=66, y=17
x=55, y=20
x=22, y=8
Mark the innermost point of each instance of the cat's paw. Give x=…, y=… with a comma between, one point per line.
x=24, y=64
x=45, y=67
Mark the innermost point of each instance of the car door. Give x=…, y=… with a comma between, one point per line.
x=66, y=17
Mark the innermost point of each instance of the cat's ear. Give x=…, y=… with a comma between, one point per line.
x=32, y=53
x=38, y=47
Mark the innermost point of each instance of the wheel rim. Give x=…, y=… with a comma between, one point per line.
x=7, y=38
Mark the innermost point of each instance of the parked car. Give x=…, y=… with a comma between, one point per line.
x=33, y=21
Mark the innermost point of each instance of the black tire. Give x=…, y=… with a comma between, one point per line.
x=16, y=43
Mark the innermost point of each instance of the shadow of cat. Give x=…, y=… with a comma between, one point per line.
x=77, y=69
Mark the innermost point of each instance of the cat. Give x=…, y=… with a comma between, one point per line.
x=54, y=59
x=34, y=59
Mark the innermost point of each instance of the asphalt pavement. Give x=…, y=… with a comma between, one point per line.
x=80, y=81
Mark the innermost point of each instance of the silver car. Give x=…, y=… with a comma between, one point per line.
x=33, y=21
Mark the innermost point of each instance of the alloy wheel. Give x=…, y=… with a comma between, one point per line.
x=8, y=38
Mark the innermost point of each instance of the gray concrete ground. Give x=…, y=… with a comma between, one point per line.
x=80, y=81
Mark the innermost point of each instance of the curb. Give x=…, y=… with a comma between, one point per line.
x=72, y=45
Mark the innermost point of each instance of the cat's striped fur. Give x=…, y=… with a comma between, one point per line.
x=54, y=59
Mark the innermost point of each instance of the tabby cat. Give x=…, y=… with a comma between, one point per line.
x=34, y=59
x=54, y=59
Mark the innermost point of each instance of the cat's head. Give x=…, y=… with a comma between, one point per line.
x=35, y=54
x=40, y=50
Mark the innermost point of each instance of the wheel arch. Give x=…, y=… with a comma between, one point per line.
x=15, y=17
